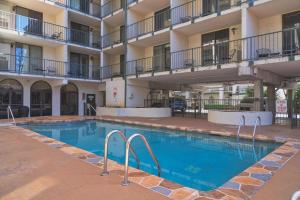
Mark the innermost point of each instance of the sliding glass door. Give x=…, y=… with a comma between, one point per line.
x=215, y=47
x=161, y=57
x=79, y=65
x=29, y=21
x=28, y=59
x=80, y=33
x=291, y=32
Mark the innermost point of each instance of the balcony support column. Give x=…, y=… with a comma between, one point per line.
x=258, y=95
x=271, y=94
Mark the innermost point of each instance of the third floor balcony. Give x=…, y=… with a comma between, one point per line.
x=111, y=6
x=45, y=30
x=113, y=38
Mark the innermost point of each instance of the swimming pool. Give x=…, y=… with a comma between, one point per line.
x=199, y=161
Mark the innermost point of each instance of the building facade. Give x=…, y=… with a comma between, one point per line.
x=118, y=53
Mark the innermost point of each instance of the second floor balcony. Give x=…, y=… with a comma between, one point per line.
x=112, y=71
x=45, y=67
x=84, y=38
x=113, y=38
x=149, y=25
x=157, y=63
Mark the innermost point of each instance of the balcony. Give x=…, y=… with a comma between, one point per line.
x=29, y=65
x=83, y=38
x=279, y=44
x=34, y=27
x=194, y=9
x=149, y=25
x=83, y=6
x=153, y=64
x=111, y=6
x=113, y=38
x=111, y=71
x=83, y=71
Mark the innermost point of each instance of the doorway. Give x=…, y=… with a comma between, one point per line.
x=91, y=104
x=40, y=99
x=69, y=99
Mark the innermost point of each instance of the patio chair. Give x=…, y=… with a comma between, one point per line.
x=185, y=19
x=56, y=35
x=188, y=63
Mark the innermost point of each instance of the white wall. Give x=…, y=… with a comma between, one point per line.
x=137, y=92
x=115, y=93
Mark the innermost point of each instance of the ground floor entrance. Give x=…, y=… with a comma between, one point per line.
x=41, y=99
x=69, y=100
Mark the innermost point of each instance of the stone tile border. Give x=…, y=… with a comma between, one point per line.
x=242, y=186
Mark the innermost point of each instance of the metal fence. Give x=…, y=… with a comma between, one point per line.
x=84, y=38
x=111, y=71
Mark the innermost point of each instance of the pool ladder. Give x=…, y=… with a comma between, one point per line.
x=128, y=148
x=243, y=123
x=10, y=113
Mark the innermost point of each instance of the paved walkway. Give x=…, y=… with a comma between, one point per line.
x=31, y=170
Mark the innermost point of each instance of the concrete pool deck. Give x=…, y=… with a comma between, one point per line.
x=16, y=178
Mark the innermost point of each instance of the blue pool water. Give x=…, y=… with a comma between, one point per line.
x=199, y=161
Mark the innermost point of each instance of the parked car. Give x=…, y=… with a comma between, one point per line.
x=178, y=105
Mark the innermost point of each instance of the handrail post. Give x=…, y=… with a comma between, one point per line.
x=258, y=120
x=128, y=143
x=105, y=171
x=242, y=123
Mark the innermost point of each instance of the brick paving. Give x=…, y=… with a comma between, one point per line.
x=243, y=186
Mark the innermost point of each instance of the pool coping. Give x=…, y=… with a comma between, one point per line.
x=242, y=186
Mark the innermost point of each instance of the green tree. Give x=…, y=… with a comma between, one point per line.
x=297, y=94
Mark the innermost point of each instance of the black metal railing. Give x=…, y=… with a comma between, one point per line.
x=31, y=65
x=32, y=26
x=111, y=71
x=270, y=45
x=213, y=54
x=85, y=6
x=115, y=37
x=149, y=25
x=80, y=71
x=111, y=6
x=84, y=38
x=195, y=9
x=95, y=73
x=153, y=64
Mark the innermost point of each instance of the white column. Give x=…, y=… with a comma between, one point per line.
x=56, y=100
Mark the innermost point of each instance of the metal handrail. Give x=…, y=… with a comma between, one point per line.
x=242, y=123
x=9, y=111
x=105, y=171
x=258, y=120
x=296, y=195
x=89, y=107
x=128, y=143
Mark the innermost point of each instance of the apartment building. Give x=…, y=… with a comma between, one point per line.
x=50, y=55
x=120, y=52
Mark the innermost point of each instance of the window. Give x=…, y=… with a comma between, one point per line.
x=161, y=57
x=79, y=65
x=41, y=99
x=215, y=47
x=29, y=21
x=28, y=58
x=80, y=34
x=162, y=19
x=291, y=32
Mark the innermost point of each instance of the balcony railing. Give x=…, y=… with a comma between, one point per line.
x=110, y=7
x=31, y=65
x=83, y=71
x=113, y=38
x=270, y=45
x=131, y=1
x=84, y=38
x=149, y=25
x=148, y=65
x=195, y=9
x=84, y=6
x=27, y=25
x=111, y=71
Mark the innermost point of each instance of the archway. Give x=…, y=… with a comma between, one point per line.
x=11, y=93
x=40, y=99
x=69, y=99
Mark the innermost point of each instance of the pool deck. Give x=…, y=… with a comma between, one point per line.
x=31, y=170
